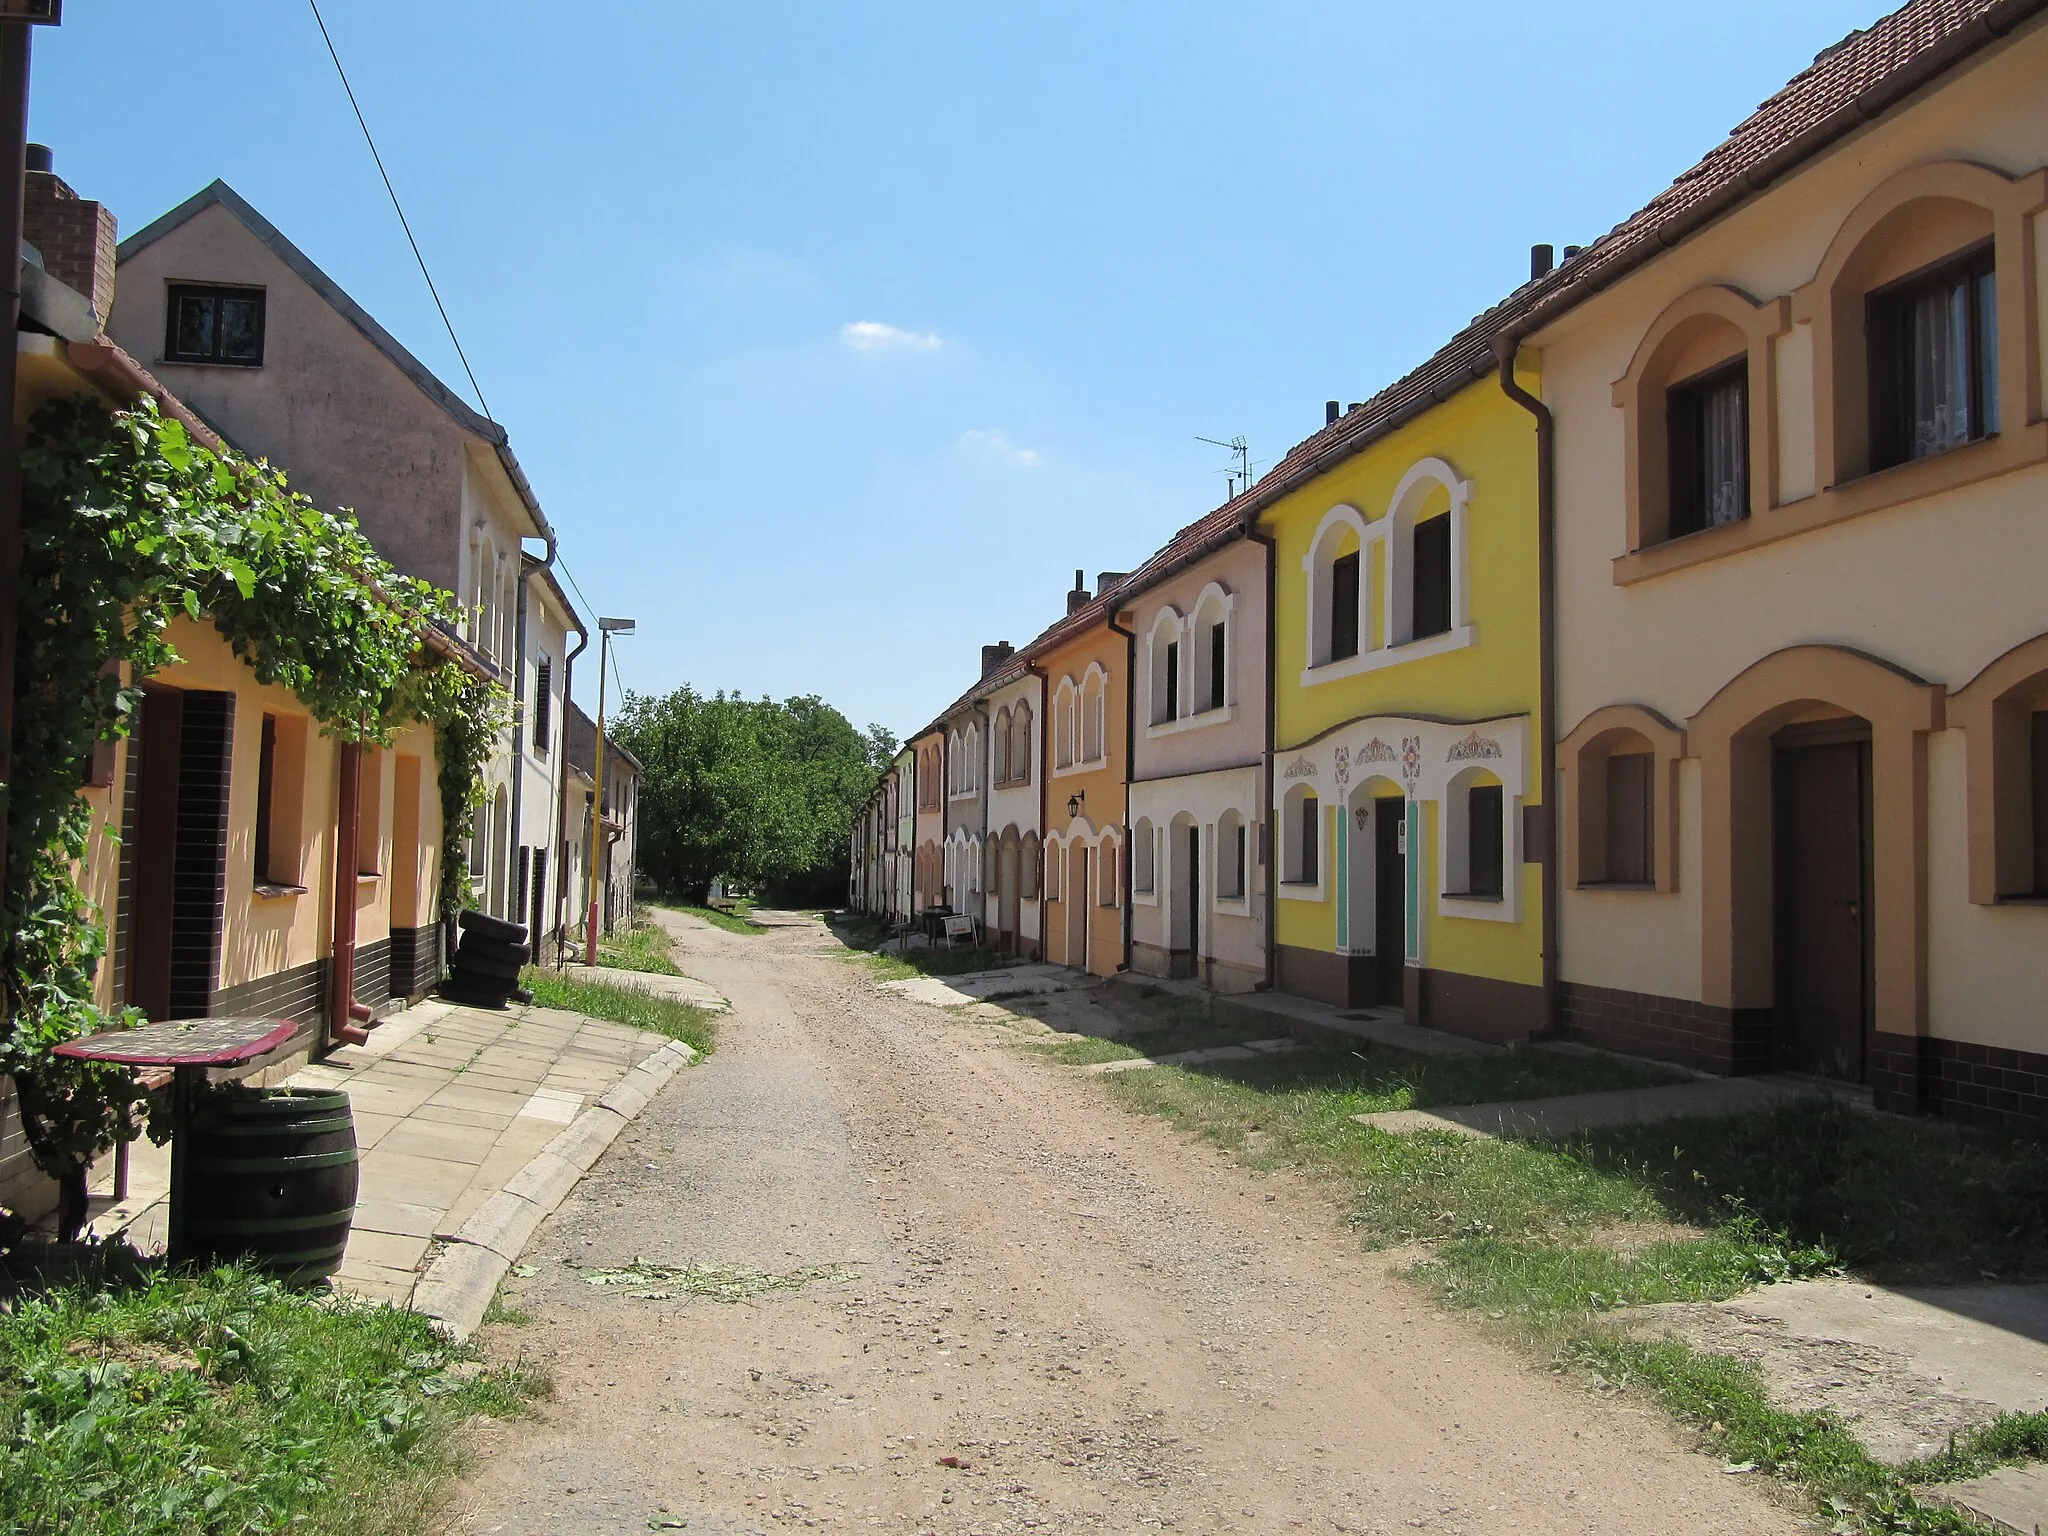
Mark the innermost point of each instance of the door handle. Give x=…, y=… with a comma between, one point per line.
x=1855, y=907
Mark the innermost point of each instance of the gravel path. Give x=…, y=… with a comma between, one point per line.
x=1041, y=1313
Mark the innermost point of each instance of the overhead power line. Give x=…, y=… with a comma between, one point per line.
x=404, y=223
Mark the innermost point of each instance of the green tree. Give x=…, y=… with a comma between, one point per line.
x=752, y=790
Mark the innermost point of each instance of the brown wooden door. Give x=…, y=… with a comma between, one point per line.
x=156, y=852
x=1389, y=898
x=1822, y=816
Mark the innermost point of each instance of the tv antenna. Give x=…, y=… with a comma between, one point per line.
x=1240, y=478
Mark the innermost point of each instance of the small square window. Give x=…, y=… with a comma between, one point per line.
x=215, y=325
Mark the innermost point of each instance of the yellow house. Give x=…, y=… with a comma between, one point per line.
x=1406, y=707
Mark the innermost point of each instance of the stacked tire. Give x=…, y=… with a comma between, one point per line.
x=484, y=970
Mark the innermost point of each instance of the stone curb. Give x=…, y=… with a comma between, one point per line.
x=458, y=1286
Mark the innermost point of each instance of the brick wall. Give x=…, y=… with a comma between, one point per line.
x=1985, y=1085
x=76, y=238
x=1729, y=1041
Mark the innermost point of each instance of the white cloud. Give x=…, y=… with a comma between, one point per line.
x=874, y=336
x=989, y=442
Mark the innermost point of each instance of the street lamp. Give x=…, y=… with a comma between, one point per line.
x=1075, y=802
x=607, y=628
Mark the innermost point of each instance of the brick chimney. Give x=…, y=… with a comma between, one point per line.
x=1104, y=580
x=74, y=237
x=993, y=656
x=1078, y=598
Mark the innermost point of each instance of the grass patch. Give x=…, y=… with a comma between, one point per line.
x=735, y=916
x=643, y=947
x=1523, y=1232
x=225, y=1403
x=624, y=1003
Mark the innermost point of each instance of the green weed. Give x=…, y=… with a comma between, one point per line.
x=223, y=1402
x=625, y=1004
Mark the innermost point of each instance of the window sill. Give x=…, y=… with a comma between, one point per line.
x=965, y=794
x=1232, y=906
x=369, y=877
x=2023, y=901
x=269, y=890
x=1192, y=722
x=204, y=362
x=1086, y=765
x=1915, y=480
x=1301, y=890
x=1144, y=898
x=1616, y=885
x=1478, y=907
x=1392, y=656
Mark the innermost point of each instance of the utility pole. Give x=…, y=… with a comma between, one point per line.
x=17, y=18
x=606, y=628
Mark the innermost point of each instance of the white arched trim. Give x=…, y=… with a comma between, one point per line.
x=1386, y=641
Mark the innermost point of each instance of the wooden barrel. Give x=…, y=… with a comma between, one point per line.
x=271, y=1178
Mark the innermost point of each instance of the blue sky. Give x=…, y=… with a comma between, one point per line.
x=835, y=337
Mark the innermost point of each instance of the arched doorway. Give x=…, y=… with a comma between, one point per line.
x=1008, y=890
x=1376, y=893
x=1184, y=899
x=1820, y=866
x=1078, y=895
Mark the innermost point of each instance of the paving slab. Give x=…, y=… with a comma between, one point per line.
x=1902, y=1368
x=1319, y=1023
x=1560, y=1116
x=452, y=1106
x=979, y=986
x=2013, y=1500
x=1244, y=1052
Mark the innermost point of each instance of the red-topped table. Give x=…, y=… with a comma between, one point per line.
x=188, y=1047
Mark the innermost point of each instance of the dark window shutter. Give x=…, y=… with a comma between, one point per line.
x=1168, y=707
x=266, y=773
x=1431, y=610
x=1218, y=647
x=1344, y=607
x=1630, y=780
x=1483, y=840
x=1311, y=838
x=543, y=704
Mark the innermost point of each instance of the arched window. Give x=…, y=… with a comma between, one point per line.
x=1021, y=749
x=1475, y=808
x=1338, y=566
x=1093, y=716
x=1065, y=707
x=1054, y=854
x=1210, y=658
x=1302, y=837
x=1109, y=868
x=1426, y=538
x=1164, y=648
x=1144, y=853
x=1028, y=867
x=999, y=748
x=1232, y=848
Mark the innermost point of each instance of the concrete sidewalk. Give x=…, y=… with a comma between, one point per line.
x=473, y=1124
x=1566, y=1113
x=1316, y=1023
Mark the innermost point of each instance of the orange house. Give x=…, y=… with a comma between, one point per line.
x=1085, y=659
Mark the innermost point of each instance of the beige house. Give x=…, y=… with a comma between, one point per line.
x=268, y=350
x=236, y=849
x=1801, y=503
x=1198, y=756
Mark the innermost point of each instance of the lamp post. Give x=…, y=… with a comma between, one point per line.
x=607, y=628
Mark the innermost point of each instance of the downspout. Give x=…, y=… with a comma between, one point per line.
x=1041, y=772
x=343, y=1011
x=1505, y=349
x=1272, y=837
x=562, y=794
x=1130, y=767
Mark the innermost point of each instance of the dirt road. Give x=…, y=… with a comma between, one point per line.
x=1041, y=1313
